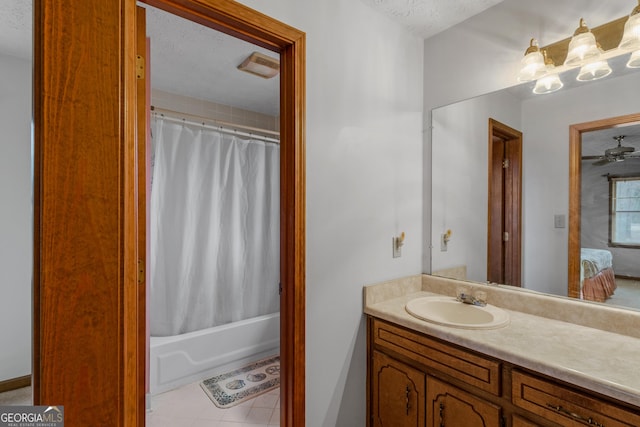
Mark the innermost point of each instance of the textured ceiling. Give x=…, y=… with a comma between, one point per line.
x=594, y=143
x=15, y=28
x=186, y=58
x=196, y=61
x=193, y=60
x=428, y=17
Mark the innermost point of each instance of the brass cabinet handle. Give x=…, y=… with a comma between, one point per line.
x=587, y=420
x=407, y=398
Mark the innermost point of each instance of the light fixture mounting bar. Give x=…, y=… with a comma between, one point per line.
x=607, y=35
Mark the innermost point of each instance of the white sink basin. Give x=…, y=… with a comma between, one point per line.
x=450, y=312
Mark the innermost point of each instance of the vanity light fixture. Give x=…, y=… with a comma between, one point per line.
x=533, y=66
x=619, y=37
x=594, y=70
x=550, y=82
x=634, y=60
x=260, y=65
x=631, y=37
x=582, y=47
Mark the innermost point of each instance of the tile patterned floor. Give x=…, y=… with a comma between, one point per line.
x=20, y=397
x=189, y=406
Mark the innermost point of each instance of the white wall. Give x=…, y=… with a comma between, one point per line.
x=364, y=184
x=460, y=176
x=492, y=44
x=15, y=217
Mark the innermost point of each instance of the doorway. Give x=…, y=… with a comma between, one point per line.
x=505, y=204
x=86, y=271
x=575, y=191
x=213, y=211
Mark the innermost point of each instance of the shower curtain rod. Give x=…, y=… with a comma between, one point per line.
x=221, y=126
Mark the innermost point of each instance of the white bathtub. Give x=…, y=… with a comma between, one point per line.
x=182, y=359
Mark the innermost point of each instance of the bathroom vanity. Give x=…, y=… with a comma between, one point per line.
x=556, y=363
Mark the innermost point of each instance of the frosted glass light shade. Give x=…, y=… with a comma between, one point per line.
x=549, y=83
x=582, y=48
x=631, y=37
x=634, y=60
x=532, y=67
x=594, y=71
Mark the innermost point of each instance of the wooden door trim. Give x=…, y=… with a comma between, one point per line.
x=247, y=24
x=575, y=175
x=85, y=210
x=85, y=203
x=496, y=128
x=143, y=97
x=493, y=214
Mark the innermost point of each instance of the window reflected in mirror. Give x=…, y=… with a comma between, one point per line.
x=625, y=211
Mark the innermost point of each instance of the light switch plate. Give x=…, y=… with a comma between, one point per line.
x=559, y=221
x=443, y=243
x=397, y=249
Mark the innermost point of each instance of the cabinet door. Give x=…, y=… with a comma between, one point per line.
x=448, y=406
x=397, y=398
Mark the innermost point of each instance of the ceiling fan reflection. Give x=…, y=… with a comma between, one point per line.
x=616, y=154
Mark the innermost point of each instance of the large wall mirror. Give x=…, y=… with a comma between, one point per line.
x=469, y=145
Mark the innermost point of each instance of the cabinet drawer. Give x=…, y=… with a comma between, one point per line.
x=518, y=421
x=565, y=406
x=474, y=370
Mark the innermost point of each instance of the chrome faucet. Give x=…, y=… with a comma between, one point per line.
x=479, y=298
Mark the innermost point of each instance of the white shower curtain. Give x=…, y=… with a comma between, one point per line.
x=215, y=243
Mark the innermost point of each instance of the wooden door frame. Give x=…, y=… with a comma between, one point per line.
x=143, y=112
x=247, y=24
x=501, y=130
x=575, y=190
x=85, y=290
x=86, y=325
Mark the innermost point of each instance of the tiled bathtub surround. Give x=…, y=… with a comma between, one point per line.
x=586, y=344
x=213, y=111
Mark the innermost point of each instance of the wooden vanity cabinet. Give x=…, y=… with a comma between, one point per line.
x=398, y=397
x=567, y=406
x=416, y=380
x=414, y=393
x=449, y=406
x=518, y=421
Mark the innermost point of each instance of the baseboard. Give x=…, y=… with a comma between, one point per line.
x=15, y=383
x=620, y=276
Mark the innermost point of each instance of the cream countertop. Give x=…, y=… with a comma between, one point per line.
x=601, y=361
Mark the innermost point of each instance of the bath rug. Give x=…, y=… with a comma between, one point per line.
x=242, y=384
